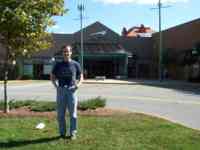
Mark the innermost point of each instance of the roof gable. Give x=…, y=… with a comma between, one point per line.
x=97, y=32
x=59, y=40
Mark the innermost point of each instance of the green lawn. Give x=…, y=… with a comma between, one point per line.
x=117, y=132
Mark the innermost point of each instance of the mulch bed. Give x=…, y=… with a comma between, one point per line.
x=26, y=112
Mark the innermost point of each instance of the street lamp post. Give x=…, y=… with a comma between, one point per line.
x=160, y=43
x=81, y=9
x=160, y=51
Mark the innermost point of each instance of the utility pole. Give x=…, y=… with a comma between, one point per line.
x=160, y=65
x=81, y=8
x=160, y=43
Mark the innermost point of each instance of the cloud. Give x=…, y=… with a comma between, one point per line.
x=59, y=31
x=55, y=27
x=139, y=1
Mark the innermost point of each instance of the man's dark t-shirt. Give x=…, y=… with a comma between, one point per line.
x=67, y=72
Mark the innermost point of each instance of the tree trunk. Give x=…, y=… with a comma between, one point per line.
x=6, y=106
x=6, y=103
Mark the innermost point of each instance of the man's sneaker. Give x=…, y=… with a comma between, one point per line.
x=62, y=136
x=73, y=137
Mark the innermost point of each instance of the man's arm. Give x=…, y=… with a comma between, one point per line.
x=79, y=82
x=79, y=75
x=53, y=80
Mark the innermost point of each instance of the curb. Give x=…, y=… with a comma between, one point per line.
x=196, y=85
x=97, y=82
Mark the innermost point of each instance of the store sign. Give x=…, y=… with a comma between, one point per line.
x=99, y=33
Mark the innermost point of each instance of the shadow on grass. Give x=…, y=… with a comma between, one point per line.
x=12, y=144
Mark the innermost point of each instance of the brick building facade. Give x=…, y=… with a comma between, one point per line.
x=113, y=55
x=179, y=41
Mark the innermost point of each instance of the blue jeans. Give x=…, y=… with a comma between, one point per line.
x=66, y=99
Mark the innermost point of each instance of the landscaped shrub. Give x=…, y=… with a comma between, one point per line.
x=43, y=106
x=26, y=77
x=32, y=104
x=92, y=103
x=16, y=104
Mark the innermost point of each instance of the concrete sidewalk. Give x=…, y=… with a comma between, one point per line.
x=143, y=82
x=108, y=81
x=117, y=81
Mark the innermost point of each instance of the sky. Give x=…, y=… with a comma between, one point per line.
x=117, y=14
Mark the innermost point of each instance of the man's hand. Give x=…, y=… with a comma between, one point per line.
x=78, y=83
x=74, y=87
x=53, y=80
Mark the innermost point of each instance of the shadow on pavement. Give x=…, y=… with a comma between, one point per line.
x=184, y=87
x=179, y=86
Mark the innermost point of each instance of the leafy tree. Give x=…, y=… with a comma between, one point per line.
x=23, y=25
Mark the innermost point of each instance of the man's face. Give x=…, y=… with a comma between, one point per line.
x=67, y=52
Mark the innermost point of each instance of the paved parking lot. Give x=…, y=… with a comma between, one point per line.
x=177, y=102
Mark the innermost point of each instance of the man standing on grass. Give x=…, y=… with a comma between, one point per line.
x=69, y=77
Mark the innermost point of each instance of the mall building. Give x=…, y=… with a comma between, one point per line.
x=106, y=54
x=133, y=54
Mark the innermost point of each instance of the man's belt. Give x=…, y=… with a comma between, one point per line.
x=70, y=87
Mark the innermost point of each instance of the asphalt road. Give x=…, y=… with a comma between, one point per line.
x=180, y=104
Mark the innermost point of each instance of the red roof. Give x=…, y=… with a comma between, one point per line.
x=136, y=31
